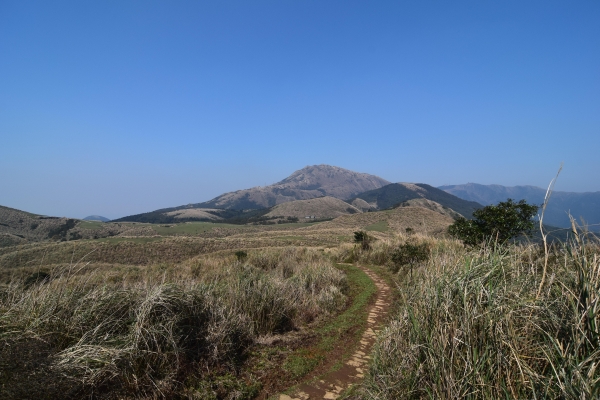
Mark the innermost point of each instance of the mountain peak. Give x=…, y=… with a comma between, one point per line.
x=306, y=183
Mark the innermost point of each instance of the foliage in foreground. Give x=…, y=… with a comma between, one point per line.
x=471, y=325
x=80, y=335
x=500, y=222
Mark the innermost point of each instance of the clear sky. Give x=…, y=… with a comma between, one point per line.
x=122, y=107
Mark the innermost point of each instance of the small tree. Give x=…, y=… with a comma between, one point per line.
x=362, y=238
x=410, y=254
x=501, y=222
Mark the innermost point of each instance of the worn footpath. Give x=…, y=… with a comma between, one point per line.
x=331, y=385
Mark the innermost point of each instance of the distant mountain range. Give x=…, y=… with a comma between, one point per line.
x=319, y=191
x=579, y=205
x=315, y=192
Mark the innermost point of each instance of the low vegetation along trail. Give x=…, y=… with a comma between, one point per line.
x=333, y=384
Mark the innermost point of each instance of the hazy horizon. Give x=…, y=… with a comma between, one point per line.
x=115, y=109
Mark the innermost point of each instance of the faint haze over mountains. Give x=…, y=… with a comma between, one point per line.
x=583, y=207
x=115, y=108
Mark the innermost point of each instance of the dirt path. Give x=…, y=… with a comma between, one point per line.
x=331, y=385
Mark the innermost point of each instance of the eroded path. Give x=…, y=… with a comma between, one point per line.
x=331, y=385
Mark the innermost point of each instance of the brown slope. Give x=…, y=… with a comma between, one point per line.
x=18, y=226
x=319, y=208
x=307, y=183
x=431, y=205
x=194, y=213
x=418, y=219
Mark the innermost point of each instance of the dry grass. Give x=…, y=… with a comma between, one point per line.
x=154, y=333
x=200, y=213
x=470, y=325
x=321, y=208
x=135, y=251
x=419, y=219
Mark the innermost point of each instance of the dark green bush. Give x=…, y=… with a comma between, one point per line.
x=501, y=222
x=363, y=238
x=409, y=254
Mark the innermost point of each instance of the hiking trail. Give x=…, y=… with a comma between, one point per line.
x=333, y=384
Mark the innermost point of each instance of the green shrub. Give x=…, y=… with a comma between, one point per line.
x=500, y=222
x=363, y=239
x=409, y=254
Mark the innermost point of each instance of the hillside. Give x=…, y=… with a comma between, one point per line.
x=18, y=227
x=393, y=194
x=417, y=219
x=319, y=208
x=431, y=205
x=580, y=205
x=307, y=183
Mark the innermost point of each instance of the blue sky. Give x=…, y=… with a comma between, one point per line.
x=122, y=107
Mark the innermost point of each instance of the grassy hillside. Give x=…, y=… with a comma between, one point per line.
x=188, y=213
x=415, y=219
x=31, y=227
x=319, y=208
x=431, y=205
x=217, y=311
x=392, y=195
x=487, y=323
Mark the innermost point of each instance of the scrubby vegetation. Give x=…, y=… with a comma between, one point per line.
x=210, y=311
x=161, y=332
x=473, y=322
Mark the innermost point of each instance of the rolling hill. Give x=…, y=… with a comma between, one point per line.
x=17, y=227
x=394, y=194
x=431, y=205
x=417, y=219
x=319, y=208
x=580, y=205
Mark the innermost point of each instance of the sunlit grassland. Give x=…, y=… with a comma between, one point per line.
x=178, y=314
x=381, y=226
x=191, y=228
x=194, y=228
x=159, y=330
x=91, y=224
x=473, y=322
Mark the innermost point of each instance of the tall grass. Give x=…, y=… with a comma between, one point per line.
x=471, y=325
x=154, y=334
